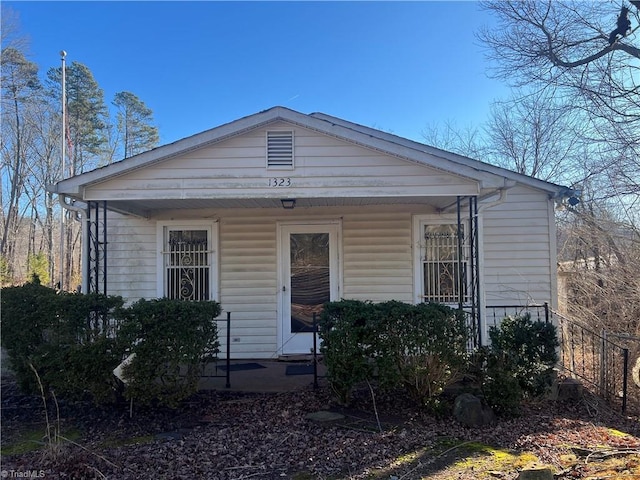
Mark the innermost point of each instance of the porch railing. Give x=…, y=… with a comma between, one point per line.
x=493, y=315
x=227, y=356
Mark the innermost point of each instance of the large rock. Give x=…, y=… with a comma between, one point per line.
x=469, y=410
x=536, y=473
x=570, y=389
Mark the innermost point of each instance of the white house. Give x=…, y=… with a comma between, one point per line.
x=275, y=213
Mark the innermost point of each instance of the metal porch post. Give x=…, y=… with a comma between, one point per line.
x=96, y=244
x=460, y=256
x=474, y=254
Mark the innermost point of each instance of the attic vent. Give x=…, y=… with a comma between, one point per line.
x=280, y=149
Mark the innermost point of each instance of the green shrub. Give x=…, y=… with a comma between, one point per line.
x=75, y=341
x=68, y=338
x=519, y=362
x=170, y=339
x=346, y=331
x=420, y=348
x=424, y=347
x=6, y=276
x=29, y=317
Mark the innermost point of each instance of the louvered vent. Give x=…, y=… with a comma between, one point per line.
x=280, y=149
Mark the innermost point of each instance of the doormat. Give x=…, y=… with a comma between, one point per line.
x=299, y=370
x=234, y=367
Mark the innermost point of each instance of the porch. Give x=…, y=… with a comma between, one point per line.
x=601, y=362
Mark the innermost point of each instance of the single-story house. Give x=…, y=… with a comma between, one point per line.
x=278, y=212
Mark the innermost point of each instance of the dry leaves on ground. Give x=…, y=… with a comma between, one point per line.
x=223, y=435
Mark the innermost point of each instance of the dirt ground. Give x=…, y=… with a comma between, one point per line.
x=225, y=435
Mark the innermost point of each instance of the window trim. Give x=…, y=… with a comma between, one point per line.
x=419, y=222
x=162, y=228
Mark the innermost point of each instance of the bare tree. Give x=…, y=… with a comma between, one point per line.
x=531, y=135
x=467, y=141
x=562, y=48
x=584, y=58
x=527, y=133
x=20, y=88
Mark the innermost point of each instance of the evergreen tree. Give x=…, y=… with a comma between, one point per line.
x=134, y=125
x=87, y=116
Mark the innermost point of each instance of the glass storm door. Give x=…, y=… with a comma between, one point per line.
x=309, y=264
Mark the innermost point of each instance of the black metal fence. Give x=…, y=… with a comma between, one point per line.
x=601, y=363
x=600, y=360
x=227, y=356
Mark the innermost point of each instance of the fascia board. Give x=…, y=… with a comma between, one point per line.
x=390, y=145
x=455, y=159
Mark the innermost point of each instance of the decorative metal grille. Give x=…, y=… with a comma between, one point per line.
x=473, y=280
x=442, y=265
x=96, y=245
x=187, y=265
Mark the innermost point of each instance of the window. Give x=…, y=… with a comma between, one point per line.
x=443, y=262
x=188, y=261
x=280, y=149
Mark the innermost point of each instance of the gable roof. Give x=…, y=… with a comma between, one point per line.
x=489, y=176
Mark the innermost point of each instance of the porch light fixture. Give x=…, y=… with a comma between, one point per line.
x=288, y=203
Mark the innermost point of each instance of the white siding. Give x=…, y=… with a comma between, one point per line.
x=248, y=283
x=377, y=257
x=131, y=257
x=377, y=264
x=517, y=255
x=324, y=166
x=517, y=250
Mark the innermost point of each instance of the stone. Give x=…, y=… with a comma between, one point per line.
x=569, y=389
x=536, y=473
x=469, y=410
x=324, y=416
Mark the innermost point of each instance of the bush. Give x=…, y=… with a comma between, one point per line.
x=345, y=328
x=519, y=362
x=420, y=348
x=75, y=341
x=68, y=338
x=426, y=347
x=29, y=315
x=171, y=339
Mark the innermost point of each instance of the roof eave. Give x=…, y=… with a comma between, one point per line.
x=488, y=176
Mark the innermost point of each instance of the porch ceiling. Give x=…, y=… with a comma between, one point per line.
x=148, y=208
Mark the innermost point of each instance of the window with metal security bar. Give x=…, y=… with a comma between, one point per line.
x=187, y=257
x=443, y=263
x=280, y=149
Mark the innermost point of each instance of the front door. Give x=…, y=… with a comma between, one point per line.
x=309, y=278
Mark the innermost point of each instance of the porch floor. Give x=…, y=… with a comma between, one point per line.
x=272, y=378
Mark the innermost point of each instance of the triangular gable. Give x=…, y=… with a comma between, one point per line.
x=488, y=176
x=237, y=167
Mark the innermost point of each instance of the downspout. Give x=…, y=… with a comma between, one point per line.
x=501, y=199
x=82, y=212
x=482, y=304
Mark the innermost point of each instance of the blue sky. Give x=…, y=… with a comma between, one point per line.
x=397, y=66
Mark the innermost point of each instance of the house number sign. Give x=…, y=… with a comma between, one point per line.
x=280, y=182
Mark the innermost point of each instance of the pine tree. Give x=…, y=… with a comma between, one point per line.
x=134, y=125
